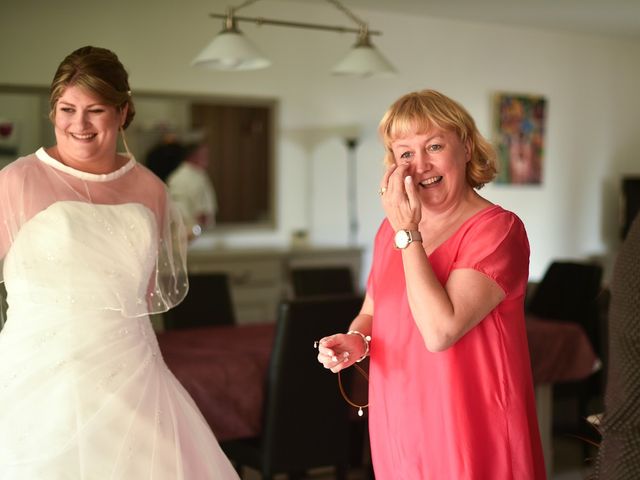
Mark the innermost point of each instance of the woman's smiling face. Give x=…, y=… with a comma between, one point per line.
x=436, y=161
x=86, y=130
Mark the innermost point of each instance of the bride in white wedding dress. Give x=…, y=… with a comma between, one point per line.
x=90, y=247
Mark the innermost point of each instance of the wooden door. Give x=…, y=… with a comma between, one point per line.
x=240, y=165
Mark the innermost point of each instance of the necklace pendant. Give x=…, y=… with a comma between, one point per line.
x=360, y=412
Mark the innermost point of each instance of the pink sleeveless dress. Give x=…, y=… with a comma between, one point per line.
x=467, y=412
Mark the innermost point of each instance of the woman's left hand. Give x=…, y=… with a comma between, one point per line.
x=400, y=198
x=340, y=351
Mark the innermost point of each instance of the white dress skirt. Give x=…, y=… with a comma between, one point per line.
x=84, y=391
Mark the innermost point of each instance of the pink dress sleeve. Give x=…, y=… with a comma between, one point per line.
x=498, y=247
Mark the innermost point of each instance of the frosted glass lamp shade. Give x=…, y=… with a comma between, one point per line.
x=364, y=60
x=231, y=50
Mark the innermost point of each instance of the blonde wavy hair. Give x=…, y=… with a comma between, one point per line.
x=418, y=112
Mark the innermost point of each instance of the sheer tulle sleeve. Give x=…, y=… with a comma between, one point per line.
x=168, y=283
x=11, y=206
x=98, y=242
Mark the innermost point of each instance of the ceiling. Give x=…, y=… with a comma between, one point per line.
x=619, y=18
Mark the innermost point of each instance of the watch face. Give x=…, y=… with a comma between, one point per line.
x=402, y=239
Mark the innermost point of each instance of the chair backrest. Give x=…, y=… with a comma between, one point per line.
x=311, y=281
x=305, y=418
x=569, y=291
x=208, y=302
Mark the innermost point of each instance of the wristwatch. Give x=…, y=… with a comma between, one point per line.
x=404, y=237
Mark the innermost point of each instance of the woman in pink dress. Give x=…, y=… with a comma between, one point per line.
x=451, y=393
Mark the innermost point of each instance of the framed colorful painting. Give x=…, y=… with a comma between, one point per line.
x=519, y=137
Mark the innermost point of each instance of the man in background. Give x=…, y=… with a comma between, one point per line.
x=166, y=155
x=192, y=190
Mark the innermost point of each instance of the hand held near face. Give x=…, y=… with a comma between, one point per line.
x=400, y=199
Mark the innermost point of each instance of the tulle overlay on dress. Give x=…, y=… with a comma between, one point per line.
x=84, y=390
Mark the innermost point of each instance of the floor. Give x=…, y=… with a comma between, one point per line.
x=569, y=463
x=573, y=456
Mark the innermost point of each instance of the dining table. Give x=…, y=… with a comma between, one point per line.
x=224, y=368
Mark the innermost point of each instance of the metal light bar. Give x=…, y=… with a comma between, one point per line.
x=285, y=23
x=231, y=50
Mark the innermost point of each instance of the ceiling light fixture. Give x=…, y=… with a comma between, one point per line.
x=231, y=50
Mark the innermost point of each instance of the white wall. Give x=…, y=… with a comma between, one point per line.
x=590, y=83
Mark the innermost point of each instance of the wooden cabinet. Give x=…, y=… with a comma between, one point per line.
x=259, y=278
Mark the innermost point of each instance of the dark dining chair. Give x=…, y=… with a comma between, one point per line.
x=569, y=291
x=572, y=291
x=305, y=419
x=208, y=302
x=333, y=280
x=329, y=280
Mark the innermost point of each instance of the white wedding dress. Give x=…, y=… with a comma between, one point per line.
x=84, y=391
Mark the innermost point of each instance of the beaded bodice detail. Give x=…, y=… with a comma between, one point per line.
x=99, y=263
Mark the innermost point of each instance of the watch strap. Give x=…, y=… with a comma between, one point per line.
x=414, y=236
